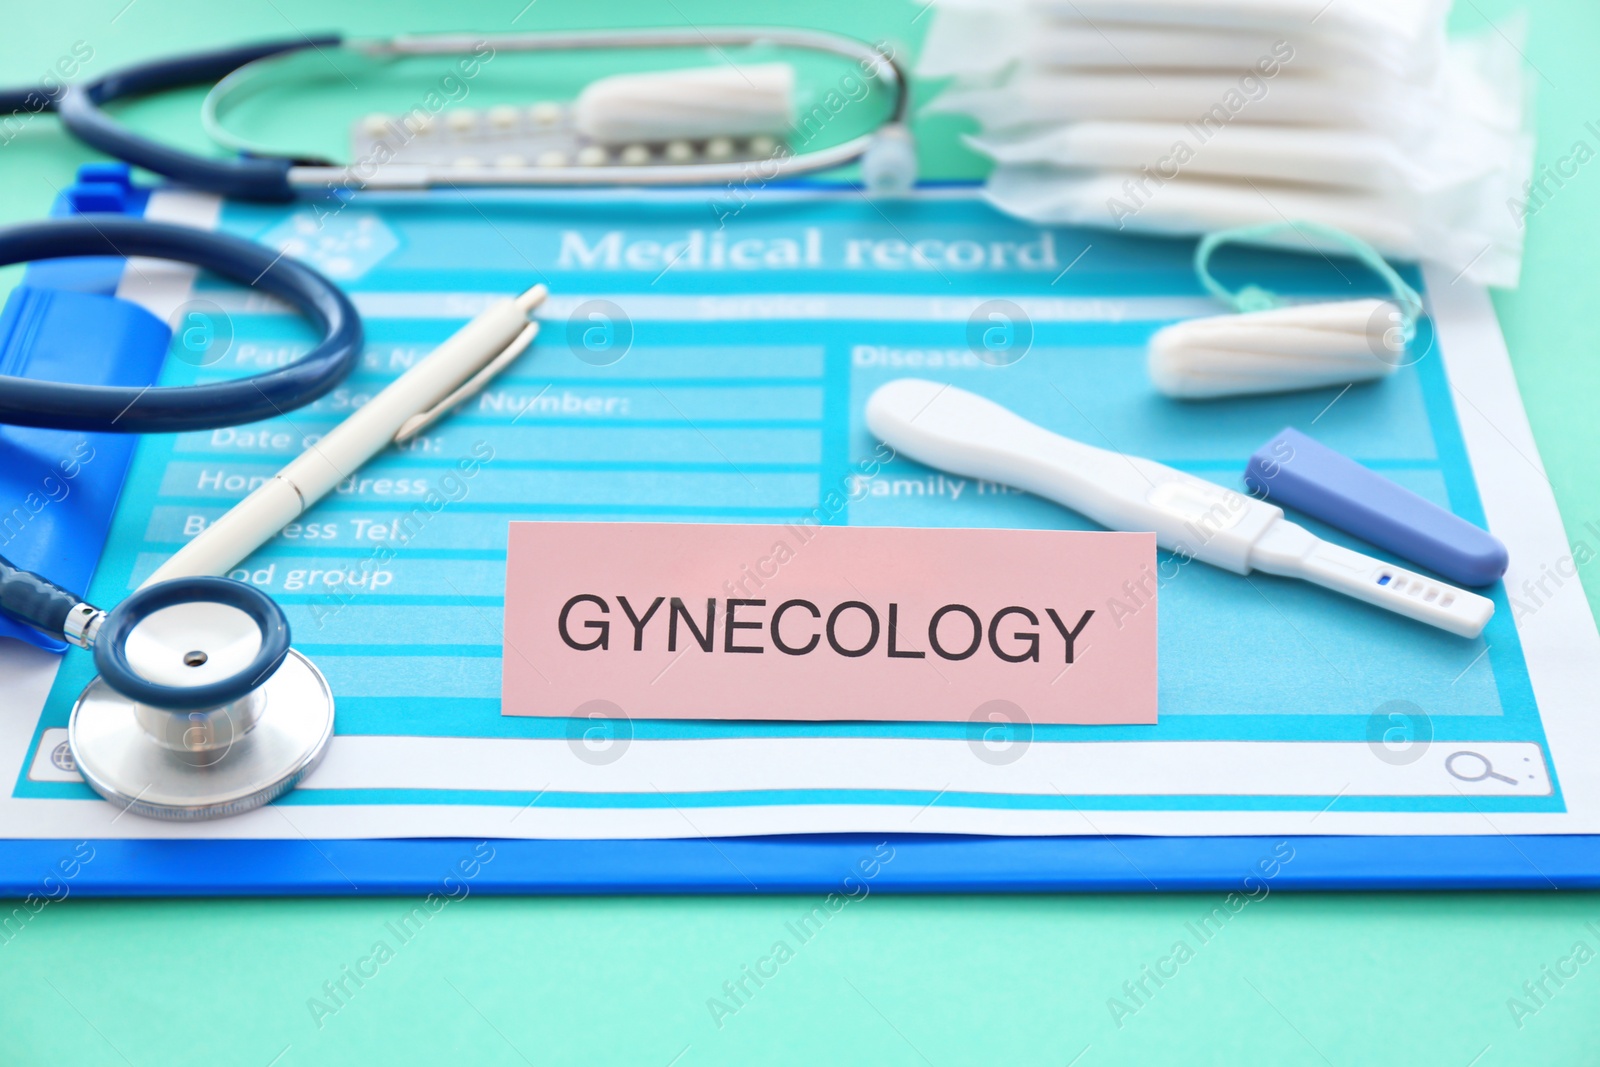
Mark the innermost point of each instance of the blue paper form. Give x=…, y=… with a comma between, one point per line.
x=697, y=366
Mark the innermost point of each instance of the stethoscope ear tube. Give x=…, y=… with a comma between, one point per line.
x=247, y=179
x=110, y=646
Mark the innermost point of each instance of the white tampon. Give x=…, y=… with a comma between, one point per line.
x=1304, y=346
x=688, y=105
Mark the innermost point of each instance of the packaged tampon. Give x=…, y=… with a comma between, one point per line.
x=1472, y=235
x=976, y=47
x=980, y=38
x=1420, y=147
x=1353, y=159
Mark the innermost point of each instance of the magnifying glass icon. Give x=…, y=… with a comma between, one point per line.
x=1488, y=771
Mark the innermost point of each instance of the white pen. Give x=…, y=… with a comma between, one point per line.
x=450, y=374
x=954, y=430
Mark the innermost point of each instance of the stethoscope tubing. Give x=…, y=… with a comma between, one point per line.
x=262, y=179
x=280, y=178
x=174, y=409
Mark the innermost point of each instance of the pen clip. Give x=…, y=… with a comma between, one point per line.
x=471, y=387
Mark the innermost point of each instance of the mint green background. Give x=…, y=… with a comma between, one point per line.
x=1326, y=979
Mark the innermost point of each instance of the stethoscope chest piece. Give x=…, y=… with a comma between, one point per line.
x=201, y=708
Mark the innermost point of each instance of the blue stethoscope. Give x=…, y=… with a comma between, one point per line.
x=201, y=708
x=886, y=153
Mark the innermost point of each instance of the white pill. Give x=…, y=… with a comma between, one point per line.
x=463, y=119
x=376, y=125
x=635, y=155
x=503, y=116
x=680, y=151
x=545, y=114
x=719, y=148
x=592, y=156
x=762, y=146
x=510, y=161
x=553, y=158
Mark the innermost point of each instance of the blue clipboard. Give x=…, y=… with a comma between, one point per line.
x=800, y=864
x=63, y=323
x=772, y=864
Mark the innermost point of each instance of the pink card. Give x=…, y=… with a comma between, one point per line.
x=715, y=621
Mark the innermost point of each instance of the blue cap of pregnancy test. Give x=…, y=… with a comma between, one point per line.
x=1295, y=470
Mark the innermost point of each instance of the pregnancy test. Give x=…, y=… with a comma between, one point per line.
x=1309, y=476
x=953, y=430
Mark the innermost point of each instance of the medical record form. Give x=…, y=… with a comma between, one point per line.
x=706, y=360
